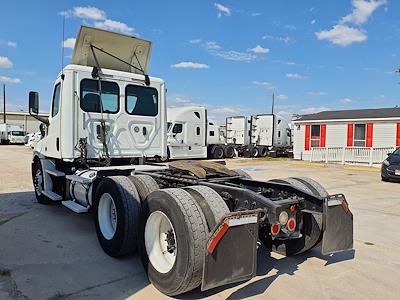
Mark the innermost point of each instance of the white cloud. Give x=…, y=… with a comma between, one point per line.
x=313, y=110
x=263, y=84
x=224, y=110
x=195, y=41
x=212, y=45
x=114, y=26
x=222, y=10
x=342, y=35
x=290, y=27
x=295, y=76
x=317, y=94
x=87, y=12
x=282, y=97
x=69, y=43
x=256, y=14
x=5, y=79
x=5, y=62
x=190, y=65
x=258, y=50
x=362, y=10
x=11, y=44
x=285, y=39
x=346, y=101
x=267, y=37
x=313, y=22
x=235, y=55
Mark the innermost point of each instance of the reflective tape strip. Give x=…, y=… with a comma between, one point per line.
x=242, y=220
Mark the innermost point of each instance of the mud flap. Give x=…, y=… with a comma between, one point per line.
x=231, y=253
x=337, y=225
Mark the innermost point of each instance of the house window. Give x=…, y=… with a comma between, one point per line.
x=211, y=133
x=197, y=130
x=315, y=136
x=359, y=135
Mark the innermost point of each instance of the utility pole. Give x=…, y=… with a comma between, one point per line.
x=4, y=103
x=273, y=103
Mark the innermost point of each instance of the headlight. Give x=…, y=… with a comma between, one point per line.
x=386, y=162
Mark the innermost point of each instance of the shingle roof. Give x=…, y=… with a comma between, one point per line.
x=352, y=114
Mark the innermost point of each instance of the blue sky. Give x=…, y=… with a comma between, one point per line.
x=228, y=55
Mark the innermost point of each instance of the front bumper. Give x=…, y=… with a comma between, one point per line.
x=389, y=172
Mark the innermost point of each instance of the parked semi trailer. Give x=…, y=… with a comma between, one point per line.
x=12, y=134
x=193, y=222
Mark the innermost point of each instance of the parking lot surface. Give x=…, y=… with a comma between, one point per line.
x=48, y=252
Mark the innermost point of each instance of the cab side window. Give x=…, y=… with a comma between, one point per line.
x=55, y=107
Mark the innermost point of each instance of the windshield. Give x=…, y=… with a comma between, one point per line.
x=397, y=151
x=17, y=133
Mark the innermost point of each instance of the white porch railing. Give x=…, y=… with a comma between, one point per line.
x=345, y=155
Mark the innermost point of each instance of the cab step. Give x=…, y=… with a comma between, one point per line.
x=75, y=207
x=55, y=173
x=51, y=195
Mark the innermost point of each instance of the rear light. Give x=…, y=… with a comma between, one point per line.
x=292, y=208
x=345, y=206
x=291, y=225
x=275, y=228
x=283, y=218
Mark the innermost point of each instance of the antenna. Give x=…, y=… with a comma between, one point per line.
x=62, y=43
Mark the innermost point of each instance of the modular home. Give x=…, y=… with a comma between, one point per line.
x=347, y=136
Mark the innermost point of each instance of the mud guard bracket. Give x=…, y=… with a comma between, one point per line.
x=231, y=253
x=338, y=225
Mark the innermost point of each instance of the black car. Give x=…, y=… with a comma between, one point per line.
x=391, y=167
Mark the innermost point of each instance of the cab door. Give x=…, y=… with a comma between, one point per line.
x=52, y=145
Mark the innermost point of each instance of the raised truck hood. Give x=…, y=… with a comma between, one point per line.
x=127, y=48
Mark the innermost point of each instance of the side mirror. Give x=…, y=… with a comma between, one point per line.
x=34, y=103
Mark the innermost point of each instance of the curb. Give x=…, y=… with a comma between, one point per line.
x=309, y=164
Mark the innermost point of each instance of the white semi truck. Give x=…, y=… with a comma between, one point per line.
x=192, y=135
x=193, y=222
x=12, y=134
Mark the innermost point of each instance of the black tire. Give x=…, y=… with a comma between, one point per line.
x=385, y=179
x=253, y=151
x=190, y=227
x=242, y=173
x=38, y=185
x=144, y=184
x=312, y=223
x=263, y=151
x=127, y=208
x=217, y=152
x=211, y=203
x=229, y=151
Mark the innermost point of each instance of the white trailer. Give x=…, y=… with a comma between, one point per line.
x=193, y=222
x=12, y=134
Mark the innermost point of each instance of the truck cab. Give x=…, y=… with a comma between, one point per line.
x=190, y=132
x=12, y=134
x=102, y=108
